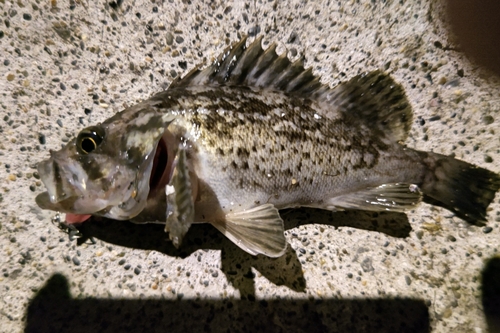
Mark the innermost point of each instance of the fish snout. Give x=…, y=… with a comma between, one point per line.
x=58, y=186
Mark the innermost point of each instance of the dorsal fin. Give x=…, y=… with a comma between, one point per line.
x=376, y=99
x=373, y=97
x=252, y=66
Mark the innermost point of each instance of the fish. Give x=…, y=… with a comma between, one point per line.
x=251, y=134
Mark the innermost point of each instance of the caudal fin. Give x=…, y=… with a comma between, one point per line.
x=463, y=188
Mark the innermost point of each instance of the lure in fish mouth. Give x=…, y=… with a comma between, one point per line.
x=253, y=133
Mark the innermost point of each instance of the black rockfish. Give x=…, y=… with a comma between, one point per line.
x=251, y=134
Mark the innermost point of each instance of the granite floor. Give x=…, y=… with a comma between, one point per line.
x=67, y=64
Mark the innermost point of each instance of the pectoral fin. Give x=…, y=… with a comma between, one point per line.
x=180, y=205
x=257, y=231
x=387, y=197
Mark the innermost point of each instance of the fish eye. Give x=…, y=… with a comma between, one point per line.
x=89, y=139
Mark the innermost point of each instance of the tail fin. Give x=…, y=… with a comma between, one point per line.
x=463, y=188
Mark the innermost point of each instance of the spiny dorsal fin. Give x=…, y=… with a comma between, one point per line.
x=253, y=66
x=217, y=73
x=372, y=97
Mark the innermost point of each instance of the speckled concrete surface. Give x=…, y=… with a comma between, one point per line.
x=66, y=64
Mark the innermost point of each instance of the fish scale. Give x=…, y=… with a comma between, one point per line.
x=253, y=133
x=275, y=158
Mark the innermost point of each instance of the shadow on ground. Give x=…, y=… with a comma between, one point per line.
x=54, y=310
x=235, y=263
x=203, y=236
x=491, y=294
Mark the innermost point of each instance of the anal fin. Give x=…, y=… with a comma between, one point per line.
x=258, y=230
x=396, y=197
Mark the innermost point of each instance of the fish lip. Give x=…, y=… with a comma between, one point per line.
x=68, y=205
x=43, y=201
x=50, y=174
x=61, y=193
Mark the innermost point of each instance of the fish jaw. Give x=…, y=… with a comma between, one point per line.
x=59, y=186
x=113, y=190
x=66, y=184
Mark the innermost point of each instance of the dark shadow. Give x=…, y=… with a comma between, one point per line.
x=54, y=310
x=285, y=270
x=491, y=294
x=476, y=28
x=469, y=219
x=235, y=263
x=389, y=223
x=203, y=236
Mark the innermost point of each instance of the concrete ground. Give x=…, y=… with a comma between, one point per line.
x=67, y=64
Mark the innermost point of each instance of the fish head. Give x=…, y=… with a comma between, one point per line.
x=106, y=170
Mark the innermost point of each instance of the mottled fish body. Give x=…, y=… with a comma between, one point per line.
x=251, y=134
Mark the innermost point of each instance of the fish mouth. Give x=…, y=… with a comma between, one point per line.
x=65, y=182
x=70, y=204
x=69, y=191
x=66, y=205
x=54, y=179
